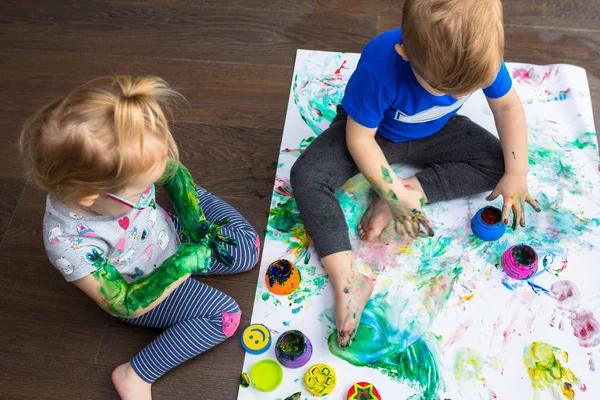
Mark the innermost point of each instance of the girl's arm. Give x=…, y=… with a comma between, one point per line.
x=181, y=190
x=110, y=290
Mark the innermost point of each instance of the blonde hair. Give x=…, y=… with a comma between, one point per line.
x=96, y=139
x=456, y=46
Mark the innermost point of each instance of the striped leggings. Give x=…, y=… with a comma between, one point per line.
x=195, y=316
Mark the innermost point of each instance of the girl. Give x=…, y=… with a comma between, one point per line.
x=98, y=152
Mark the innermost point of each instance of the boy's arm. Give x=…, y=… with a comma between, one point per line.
x=409, y=218
x=107, y=287
x=512, y=129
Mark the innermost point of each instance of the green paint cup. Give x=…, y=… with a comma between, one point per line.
x=266, y=375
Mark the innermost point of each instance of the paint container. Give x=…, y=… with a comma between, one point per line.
x=520, y=262
x=363, y=391
x=282, y=277
x=266, y=375
x=256, y=339
x=487, y=224
x=293, y=349
x=320, y=380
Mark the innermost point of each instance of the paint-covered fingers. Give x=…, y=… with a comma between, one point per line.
x=517, y=210
x=494, y=195
x=399, y=227
x=506, y=207
x=425, y=228
x=533, y=203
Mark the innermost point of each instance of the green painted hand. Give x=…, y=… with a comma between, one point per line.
x=181, y=189
x=124, y=299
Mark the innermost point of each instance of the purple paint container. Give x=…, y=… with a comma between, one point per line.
x=293, y=349
x=520, y=262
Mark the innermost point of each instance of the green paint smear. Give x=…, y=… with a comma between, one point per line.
x=544, y=364
x=195, y=256
x=124, y=299
x=416, y=365
x=391, y=339
x=468, y=365
x=392, y=195
x=386, y=175
x=181, y=189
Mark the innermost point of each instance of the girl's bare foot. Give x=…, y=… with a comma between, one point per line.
x=129, y=385
x=351, y=296
x=375, y=220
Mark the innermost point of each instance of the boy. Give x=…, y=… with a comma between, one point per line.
x=400, y=106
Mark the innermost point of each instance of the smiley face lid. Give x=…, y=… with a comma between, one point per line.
x=256, y=339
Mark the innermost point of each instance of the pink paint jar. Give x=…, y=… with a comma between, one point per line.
x=520, y=262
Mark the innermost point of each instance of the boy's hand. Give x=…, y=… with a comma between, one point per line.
x=407, y=209
x=514, y=191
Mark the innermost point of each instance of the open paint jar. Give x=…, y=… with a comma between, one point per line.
x=487, y=224
x=520, y=262
x=293, y=349
x=282, y=277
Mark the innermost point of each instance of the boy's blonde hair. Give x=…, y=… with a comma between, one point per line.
x=456, y=46
x=96, y=139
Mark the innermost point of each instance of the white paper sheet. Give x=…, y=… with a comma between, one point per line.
x=447, y=292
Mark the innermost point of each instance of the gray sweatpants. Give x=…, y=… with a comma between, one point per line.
x=460, y=160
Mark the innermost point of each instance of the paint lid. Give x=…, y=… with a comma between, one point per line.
x=363, y=391
x=266, y=375
x=282, y=277
x=256, y=339
x=320, y=380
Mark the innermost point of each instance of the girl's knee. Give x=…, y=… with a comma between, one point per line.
x=230, y=320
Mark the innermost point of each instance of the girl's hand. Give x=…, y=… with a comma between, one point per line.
x=407, y=209
x=514, y=191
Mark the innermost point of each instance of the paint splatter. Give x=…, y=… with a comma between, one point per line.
x=386, y=175
x=546, y=368
x=585, y=326
x=468, y=370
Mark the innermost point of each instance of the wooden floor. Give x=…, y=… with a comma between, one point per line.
x=233, y=61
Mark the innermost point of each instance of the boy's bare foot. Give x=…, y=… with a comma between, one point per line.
x=129, y=385
x=351, y=296
x=377, y=217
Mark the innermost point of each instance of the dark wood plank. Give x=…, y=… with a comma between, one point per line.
x=12, y=179
x=301, y=6
x=31, y=377
x=178, y=31
x=44, y=315
x=573, y=14
x=218, y=93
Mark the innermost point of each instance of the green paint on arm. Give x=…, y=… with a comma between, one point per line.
x=513, y=153
x=386, y=175
x=125, y=299
x=392, y=195
x=181, y=189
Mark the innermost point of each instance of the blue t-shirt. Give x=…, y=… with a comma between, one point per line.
x=384, y=93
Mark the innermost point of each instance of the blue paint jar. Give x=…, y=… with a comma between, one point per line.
x=487, y=224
